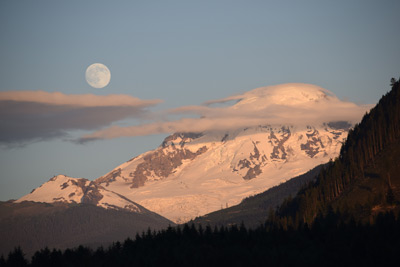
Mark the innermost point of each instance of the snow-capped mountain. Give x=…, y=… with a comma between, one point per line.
x=66, y=189
x=266, y=137
x=192, y=174
x=187, y=177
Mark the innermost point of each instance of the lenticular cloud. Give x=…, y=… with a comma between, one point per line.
x=287, y=104
x=29, y=116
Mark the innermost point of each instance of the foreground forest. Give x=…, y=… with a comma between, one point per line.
x=348, y=216
x=328, y=242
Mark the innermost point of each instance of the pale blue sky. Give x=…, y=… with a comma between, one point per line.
x=185, y=53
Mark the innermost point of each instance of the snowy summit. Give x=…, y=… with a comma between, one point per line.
x=269, y=135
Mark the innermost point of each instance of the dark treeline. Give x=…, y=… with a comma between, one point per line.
x=328, y=242
x=378, y=130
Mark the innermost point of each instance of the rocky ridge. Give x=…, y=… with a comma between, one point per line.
x=187, y=177
x=66, y=189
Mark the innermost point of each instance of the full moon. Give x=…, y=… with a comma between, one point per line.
x=98, y=75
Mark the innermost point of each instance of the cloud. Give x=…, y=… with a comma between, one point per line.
x=29, y=116
x=288, y=104
x=81, y=100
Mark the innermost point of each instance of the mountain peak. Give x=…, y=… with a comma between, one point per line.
x=62, y=188
x=193, y=174
x=59, y=188
x=290, y=94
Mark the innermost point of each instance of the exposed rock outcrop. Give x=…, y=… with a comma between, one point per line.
x=161, y=164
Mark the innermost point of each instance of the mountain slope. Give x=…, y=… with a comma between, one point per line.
x=66, y=189
x=192, y=174
x=33, y=225
x=186, y=178
x=254, y=210
x=364, y=179
x=66, y=212
x=377, y=191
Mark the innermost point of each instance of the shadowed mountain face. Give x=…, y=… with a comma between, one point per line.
x=34, y=226
x=377, y=190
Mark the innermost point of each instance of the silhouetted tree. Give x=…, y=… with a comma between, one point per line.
x=42, y=258
x=392, y=82
x=2, y=261
x=17, y=258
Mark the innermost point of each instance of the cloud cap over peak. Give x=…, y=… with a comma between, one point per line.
x=286, y=104
x=289, y=94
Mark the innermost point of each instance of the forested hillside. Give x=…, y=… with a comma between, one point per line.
x=322, y=244
x=365, y=178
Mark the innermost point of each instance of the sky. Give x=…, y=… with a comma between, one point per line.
x=166, y=59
